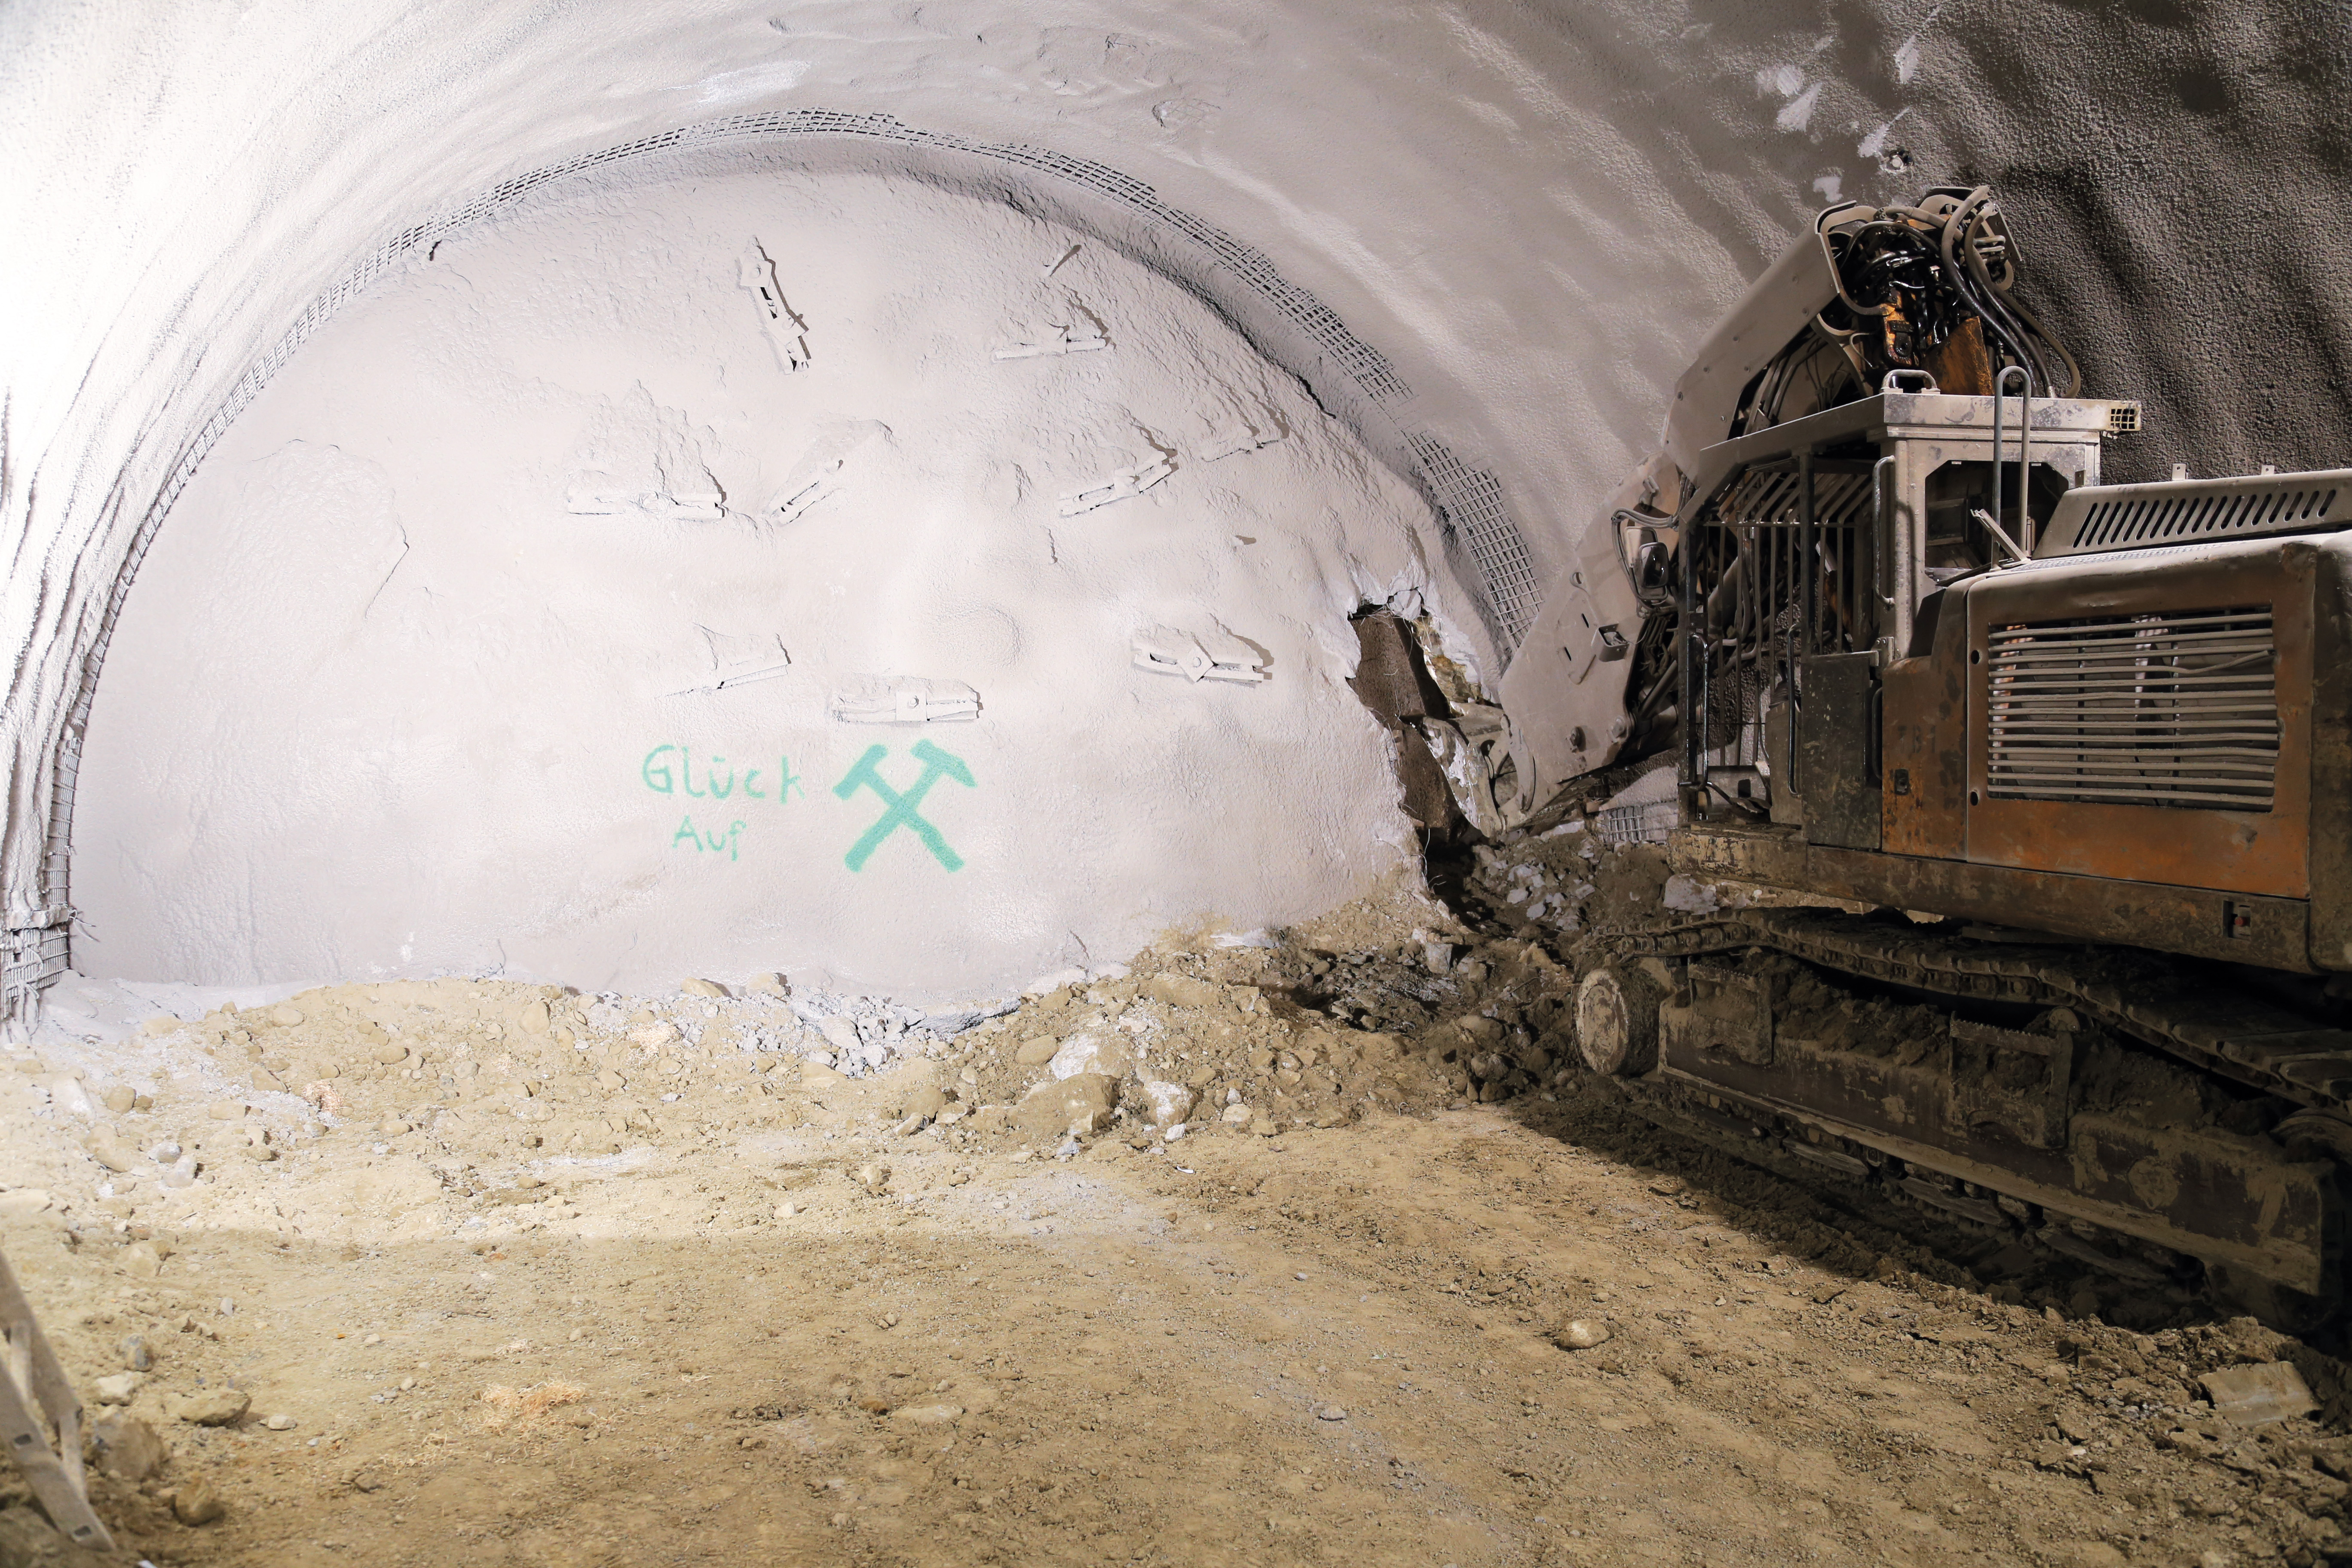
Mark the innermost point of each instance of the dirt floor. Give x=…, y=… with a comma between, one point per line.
x=543, y=1279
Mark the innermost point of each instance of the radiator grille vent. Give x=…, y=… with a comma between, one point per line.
x=2185, y=511
x=2152, y=520
x=2174, y=709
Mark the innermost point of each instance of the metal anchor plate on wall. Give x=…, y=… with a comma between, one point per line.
x=1163, y=650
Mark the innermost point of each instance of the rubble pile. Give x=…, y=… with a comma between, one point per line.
x=463, y=1145
x=508, y=1092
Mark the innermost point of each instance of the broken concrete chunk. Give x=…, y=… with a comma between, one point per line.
x=2250, y=1395
x=1037, y=1053
x=699, y=987
x=118, y=1388
x=285, y=1016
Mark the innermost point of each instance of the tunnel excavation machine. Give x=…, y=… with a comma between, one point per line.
x=2081, y=753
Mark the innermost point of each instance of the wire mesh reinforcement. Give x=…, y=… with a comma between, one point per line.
x=1471, y=502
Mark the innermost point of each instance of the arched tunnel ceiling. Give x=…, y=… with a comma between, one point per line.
x=1530, y=211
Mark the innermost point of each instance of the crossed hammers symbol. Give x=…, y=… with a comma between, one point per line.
x=902, y=808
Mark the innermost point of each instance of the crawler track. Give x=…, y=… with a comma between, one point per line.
x=2182, y=1008
x=1810, y=1116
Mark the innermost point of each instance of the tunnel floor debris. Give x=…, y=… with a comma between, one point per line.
x=537, y=1279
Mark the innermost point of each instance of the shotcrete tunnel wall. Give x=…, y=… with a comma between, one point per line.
x=1527, y=214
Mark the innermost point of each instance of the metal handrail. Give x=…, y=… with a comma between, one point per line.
x=2023, y=546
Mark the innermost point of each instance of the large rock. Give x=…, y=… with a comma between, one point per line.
x=927, y=1415
x=210, y=1407
x=1103, y=1051
x=114, y=1153
x=128, y=1448
x=1170, y=1102
x=1581, y=1334
x=118, y=1387
x=196, y=1503
x=1082, y=1101
x=1184, y=991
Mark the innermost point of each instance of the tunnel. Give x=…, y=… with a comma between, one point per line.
x=906, y=515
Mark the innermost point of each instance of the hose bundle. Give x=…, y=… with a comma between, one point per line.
x=1923, y=287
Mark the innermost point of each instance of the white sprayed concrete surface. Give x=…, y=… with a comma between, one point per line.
x=480, y=644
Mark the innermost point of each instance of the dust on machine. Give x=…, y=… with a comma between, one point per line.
x=1869, y=631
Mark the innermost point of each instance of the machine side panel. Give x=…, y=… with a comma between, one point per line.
x=1842, y=798
x=2272, y=932
x=1566, y=688
x=1924, y=784
x=2331, y=755
x=2232, y=850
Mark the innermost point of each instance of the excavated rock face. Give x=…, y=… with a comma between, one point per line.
x=745, y=608
x=1484, y=240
